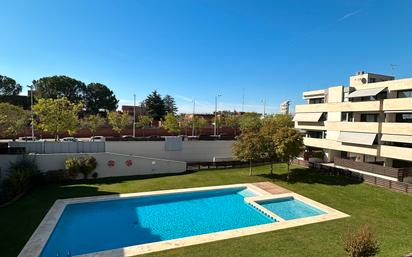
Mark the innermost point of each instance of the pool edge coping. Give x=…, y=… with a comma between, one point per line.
x=40, y=236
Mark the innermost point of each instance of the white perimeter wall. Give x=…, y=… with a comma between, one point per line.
x=192, y=151
x=140, y=165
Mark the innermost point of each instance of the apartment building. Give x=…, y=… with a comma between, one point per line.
x=366, y=125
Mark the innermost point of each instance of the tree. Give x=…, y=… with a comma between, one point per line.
x=99, y=97
x=93, y=122
x=155, y=106
x=144, y=122
x=289, y=143
x=60, y=86
x=270, y=126
x=199, y=123
x=250, y=122
x=9, y=87
x=231, y=121
x=170, y=105
x=57, y=115
x=184, y=123
x=171, y=124
x=13, y=119
x=119, y=121
x=248, y=147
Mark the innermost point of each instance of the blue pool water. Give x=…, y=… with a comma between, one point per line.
x=98, y=226
x=290, y=208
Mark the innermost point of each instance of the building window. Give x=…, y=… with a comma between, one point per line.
x=369, y=117
x=404, y=117
x=320, y=100
x=404, y=93
x=347, y=116
x=315, y=134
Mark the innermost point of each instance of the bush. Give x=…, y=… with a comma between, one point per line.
x=80, y=165
x=361, y=243
x=22, y=176
x=56, y=176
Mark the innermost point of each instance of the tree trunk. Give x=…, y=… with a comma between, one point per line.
x=288, y=176
x=271, y=167
x=250, y=167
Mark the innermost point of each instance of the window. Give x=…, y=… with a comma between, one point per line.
x=369, y=117
x=347, y=116
x=404, y=93
x=315, y=134
x=320, y=100
x=404, y=117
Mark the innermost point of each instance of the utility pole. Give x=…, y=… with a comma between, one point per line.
x=264, y=107
x=243, y=100
x=134, y=115
x=215, y=130
x=31, y=110
x=193, y=117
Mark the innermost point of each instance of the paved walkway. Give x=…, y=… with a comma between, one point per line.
x=271, y=188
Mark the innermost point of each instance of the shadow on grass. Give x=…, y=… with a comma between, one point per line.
x=312, y=176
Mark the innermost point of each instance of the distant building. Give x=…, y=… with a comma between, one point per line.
x=284, y=107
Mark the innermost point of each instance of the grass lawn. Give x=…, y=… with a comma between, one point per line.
x=388, y=213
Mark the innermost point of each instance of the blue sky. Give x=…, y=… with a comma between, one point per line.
x=198, y=49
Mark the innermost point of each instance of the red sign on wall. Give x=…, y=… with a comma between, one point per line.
x=128, y=163
x=110, y=163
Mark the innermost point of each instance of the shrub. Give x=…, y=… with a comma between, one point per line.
x=22, y=176
x=56, y=175
x=80, y=165
x=361, y=243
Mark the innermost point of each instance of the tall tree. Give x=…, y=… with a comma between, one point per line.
x=9, y=87
x=143, y=122
x=250, y=122
x=60, y=86
x=99, y=97
x=289, y=144
x=199, y=123
x=248, y=147
x=170, y=105
x=155, y=106
x=93, y=122
x=57, y=115
x=231, y=121
x=119, y=121
x=13, y=119
x=171, y=123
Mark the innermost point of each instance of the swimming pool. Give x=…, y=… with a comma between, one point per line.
x=98, y=226
x=138, y=223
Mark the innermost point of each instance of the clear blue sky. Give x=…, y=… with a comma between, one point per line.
x=197, y=49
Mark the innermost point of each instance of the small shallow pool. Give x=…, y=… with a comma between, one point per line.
x=289, y=208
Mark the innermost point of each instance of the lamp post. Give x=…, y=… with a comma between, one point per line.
x=134, y=115
x=31, y=110
x=215, y=128
x=264, y=107
x=193, y=117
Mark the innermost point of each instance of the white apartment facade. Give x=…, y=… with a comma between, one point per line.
x=367, y=122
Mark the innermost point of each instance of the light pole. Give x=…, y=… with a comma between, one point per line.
x=215, y=130
x=264, y=107
x=31, y=110
x=193, y=118
x=134, y=115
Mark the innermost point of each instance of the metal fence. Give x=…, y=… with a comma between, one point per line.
x=47, y=147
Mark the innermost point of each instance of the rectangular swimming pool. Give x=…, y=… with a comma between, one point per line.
x=103, y=225
x=289, y=208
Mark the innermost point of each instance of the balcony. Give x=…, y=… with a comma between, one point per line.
x=397, y=128
x=366, y=106
x=367, y=127
x=397, y=104
x=310, y=125
x=396, y=152
x=335, y=145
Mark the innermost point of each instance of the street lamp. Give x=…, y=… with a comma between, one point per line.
x=31, y=110
x=193, y=118
x=264, y=107
x=134, y=115
x=215, y=130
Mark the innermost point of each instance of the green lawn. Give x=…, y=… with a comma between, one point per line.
x=389, y=214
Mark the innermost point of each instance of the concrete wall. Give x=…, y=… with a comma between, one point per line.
x=60, y=147
x=191, y=151
x=123, y=165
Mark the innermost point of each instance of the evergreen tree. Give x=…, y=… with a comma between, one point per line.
x=170, y=105
x=155, y=106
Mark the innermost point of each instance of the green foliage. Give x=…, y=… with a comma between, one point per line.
x=22, y=176
x=80, y=165
x=60, y=86
x=250, y=122
x=13, y=119
x=57, y=115
x=98, y=97
x=119, y=121
x=361, y=243
x=93, y=122
x=248, y=147
x=9, y=87
x=289, y=144
x=171, y=123
x=143, y=122
x=155, y=106
x=170, y=105
x=199, y=123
